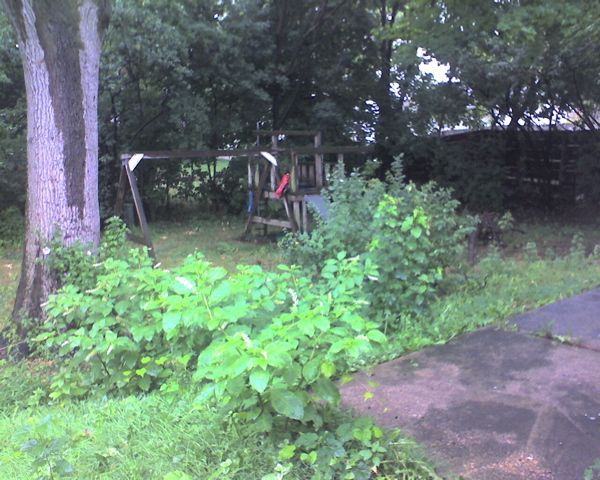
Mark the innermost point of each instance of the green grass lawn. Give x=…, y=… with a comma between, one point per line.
x=10, y=267
x=131, y=438
x=218, y=239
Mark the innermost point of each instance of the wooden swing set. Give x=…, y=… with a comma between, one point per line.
x=303, y=182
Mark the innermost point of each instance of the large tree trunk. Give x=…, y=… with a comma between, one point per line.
x=60, y=45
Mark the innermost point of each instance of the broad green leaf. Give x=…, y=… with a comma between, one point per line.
x=182, y=285
x=416, y=232
x=376, y=336
x=259, y=379
x=327, y=391
x=222, y=291
x=206, y=394
x=171, y=321
x=264, y=422
x=287, y=403
x=287, y=452
x=122, y=306
x=328, y=369
x=311, y=371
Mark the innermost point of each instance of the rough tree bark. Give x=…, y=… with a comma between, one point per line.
x=60, y=44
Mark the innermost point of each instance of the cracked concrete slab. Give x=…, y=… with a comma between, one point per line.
x=492, y=405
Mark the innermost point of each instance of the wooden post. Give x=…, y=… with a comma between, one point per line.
x=121, y=193
x=318, y=162
x=257, y=195
x=139, y=208
x=297, y=218
x=304, y=217
x=294, y=172
x=274, y=142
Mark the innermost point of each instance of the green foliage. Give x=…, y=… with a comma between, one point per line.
x=475, y=170
x=111, y=336
x=414, y=238
x=518, y=62
x=592, y=471
x=355, y=449
x=283, y=372
x=266, y=347
x=45, y=445
x=138, y=322
x=178, y=436
x=352, y=202
x=80, y=264
x=152, y=436
x=12, y=227
x=409, y=235
x=23, y=384
x=12, y=125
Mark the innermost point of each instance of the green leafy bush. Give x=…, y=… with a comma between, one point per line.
x=138, y=322
x=80, y=264
x=265, y=347
x=114, y=335
x=410, y=236
x=283, y=371
x=414, y=238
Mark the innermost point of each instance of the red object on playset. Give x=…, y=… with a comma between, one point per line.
x=283, y=184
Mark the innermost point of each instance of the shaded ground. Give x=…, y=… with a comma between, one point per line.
x=497, y=404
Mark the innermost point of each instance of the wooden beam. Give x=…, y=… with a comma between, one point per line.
x=289, y=133
x=295, y=174
x=194, y=154
x=332, y=149
x=297, y=213
x=245, y=152
x=304, y=217
x=272, y=221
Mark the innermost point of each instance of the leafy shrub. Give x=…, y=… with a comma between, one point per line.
x=265, y=346
x=80, y=264
x=129, y=331
x=410, y=235
x=283, y=371
x=413, y=241
x=352, y=201
x=112, y=335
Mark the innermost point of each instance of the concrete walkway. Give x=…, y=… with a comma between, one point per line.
x=499, y=405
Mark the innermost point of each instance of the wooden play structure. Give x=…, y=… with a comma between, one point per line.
x=292, y=175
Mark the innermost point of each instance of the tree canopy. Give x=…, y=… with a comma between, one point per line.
x=185, y=74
